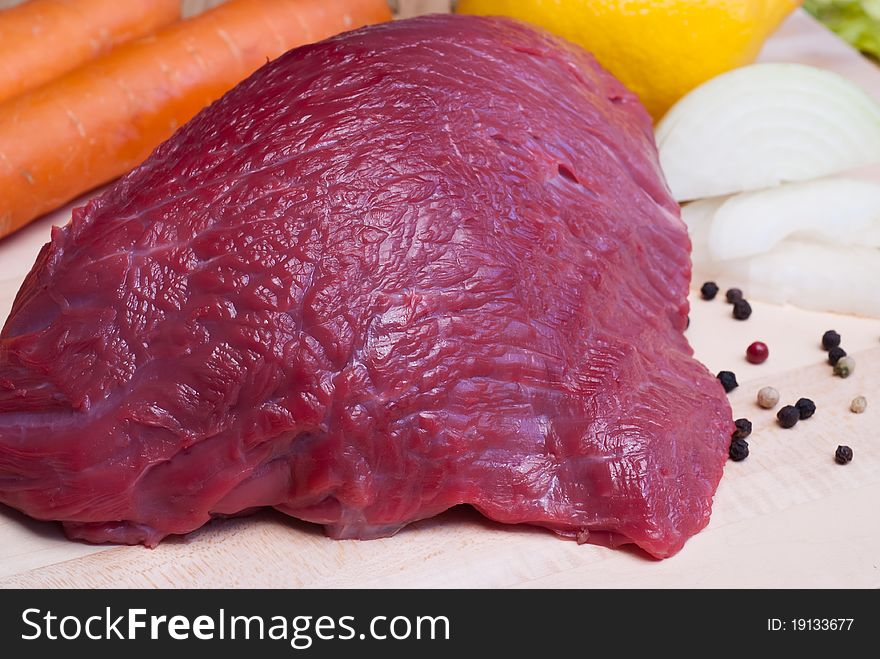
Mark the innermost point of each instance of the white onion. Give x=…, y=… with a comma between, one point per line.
x=698, y=216
x=815, y=245
x=807, y=274
x=833, y=211
x=762, y=125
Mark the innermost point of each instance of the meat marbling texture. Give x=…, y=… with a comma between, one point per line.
x=419, y=265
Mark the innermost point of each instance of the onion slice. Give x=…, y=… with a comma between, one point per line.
x=766, y=124
x=698, y=216
x=806, y=274
x=831, y=211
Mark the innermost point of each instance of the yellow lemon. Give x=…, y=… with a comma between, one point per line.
x=660, y=49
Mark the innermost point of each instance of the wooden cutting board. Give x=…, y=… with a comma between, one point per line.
x=786, y=517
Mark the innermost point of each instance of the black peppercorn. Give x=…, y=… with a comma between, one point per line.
x=728, y=380
x=843, y=454
x=742, y=310
x=709, y=290
x=733, y=294
x=806, y=408
x=788, y=416
x=743, y=429
x=835, y=355
x=739, y=450
x=830, y=339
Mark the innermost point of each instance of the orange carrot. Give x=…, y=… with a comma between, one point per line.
x=43, y=39
x=90, y=126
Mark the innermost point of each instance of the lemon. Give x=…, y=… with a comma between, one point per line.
x=660, y=49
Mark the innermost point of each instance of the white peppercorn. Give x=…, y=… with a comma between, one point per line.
x=768, y=397
x=859, y=404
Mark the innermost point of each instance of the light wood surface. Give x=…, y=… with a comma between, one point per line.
x=788, y=516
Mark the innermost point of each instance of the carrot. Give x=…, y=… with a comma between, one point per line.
x=43, y=39
x=96, y=123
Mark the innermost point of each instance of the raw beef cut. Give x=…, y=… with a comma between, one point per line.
x=414, y=266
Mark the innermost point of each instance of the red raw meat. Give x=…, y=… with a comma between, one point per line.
x=418, y=265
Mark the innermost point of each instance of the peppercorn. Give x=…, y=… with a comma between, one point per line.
x=830, y=339
x=709, y=290
x=757, y=352
x=743, y=429
x=845, y=367
x=768, y=397
x=728, y=380
x=739, y=450
x=859, y=404
x=742, y=310
x=788, y=416
x=733, y=294
x=835, y=354
x=843, y=455
x=805, y=407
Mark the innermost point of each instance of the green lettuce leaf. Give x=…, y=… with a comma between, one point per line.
x=856, y=21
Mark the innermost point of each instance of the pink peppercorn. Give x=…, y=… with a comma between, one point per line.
x=757, y=353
